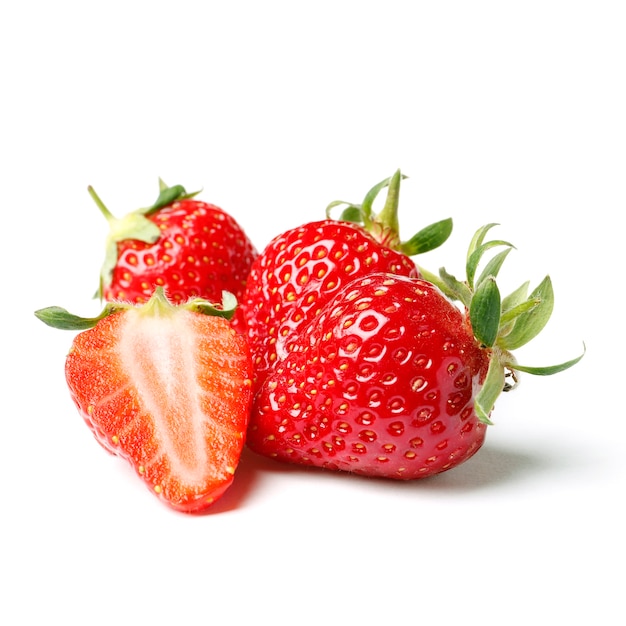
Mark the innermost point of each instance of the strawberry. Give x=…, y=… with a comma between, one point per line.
x=393, y=379
x=304, y=267
x=190, y=247
x=168, y=388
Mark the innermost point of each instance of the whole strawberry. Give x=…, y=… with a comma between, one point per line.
x=393, y=379
x=304, y=267
x=168, y=388
x=189, y=247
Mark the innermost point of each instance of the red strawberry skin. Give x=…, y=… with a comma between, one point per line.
x=381, y=383
x=170, y=393
x=201, y=252
x=297, y=273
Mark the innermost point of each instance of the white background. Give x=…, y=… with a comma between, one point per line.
x=508, y=112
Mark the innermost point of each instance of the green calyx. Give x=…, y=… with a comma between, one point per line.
x=384, y=226
x=501, y=324
x=134, y=225
x=159, y=304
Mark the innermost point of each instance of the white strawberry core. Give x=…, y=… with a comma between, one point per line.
x=159, y=354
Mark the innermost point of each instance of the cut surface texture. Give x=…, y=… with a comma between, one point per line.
x=171, y=394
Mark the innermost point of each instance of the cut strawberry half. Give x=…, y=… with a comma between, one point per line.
x=166, y=387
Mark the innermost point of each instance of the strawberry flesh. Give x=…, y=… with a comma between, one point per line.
x=171, y=394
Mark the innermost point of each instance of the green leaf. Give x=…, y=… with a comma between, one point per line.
x=60, y=318
x=484, y=312
x=516, y=297
x=492, y=387
x=493, y=267
x=550, y=369
x=428, y=238
x=370, y=197
x=166, y=196
x=478, y=238
x=226, y=310
x=352, y=214
x=476, y=256
x=529, y=324
x=455, y=288
x=513, y=313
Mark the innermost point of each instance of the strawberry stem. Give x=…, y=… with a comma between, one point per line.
x=387, y=219
x=103, y=209
x=385, y=227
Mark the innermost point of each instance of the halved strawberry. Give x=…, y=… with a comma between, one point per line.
x=168, y=388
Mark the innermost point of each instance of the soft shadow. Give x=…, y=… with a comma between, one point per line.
x=247, y=478
x=492, y=466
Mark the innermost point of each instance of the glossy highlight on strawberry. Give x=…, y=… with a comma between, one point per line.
x=381, y=384
x=304, y=267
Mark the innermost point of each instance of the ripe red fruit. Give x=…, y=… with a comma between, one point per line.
x=393, y=379
x=168, y=388
x=304, y=267
x=189, y=247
